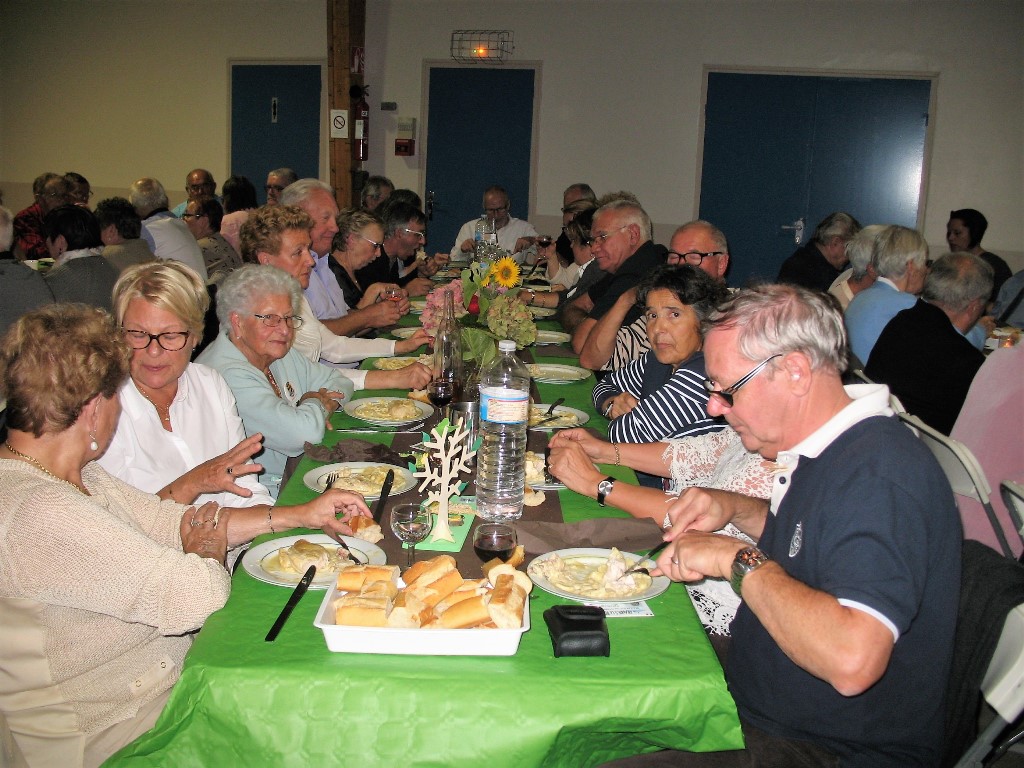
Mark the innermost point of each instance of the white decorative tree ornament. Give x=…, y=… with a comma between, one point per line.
x=448, y=454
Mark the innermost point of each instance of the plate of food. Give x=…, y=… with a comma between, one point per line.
x=388, y=411
x=284, y=560
x=536, y=477
x=550, y=373
x=416, y=306
x=594, y=575
x=551, y=337
x=563, y=417
x=365, y=477
x=542, y=312
x=394, y=363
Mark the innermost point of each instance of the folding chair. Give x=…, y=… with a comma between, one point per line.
x=1013, y=497
x=1003, y=689
x=962, y=470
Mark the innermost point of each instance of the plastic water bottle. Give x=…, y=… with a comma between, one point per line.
x=504, y=412
x=480, y=236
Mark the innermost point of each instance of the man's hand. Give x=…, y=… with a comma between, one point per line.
x=696, y=554
x=419, y=286
x=523, y=243
x=468, y=245
x=707, y=509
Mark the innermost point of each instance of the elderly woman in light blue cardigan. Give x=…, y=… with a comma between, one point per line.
x=279, y=392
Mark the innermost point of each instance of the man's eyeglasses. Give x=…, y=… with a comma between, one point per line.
x=196, y=188
x=192, y=215
x=171, y=341
x=374, y=243
x=418, y=235
x=496, y=210
x=275, y=187
x=594, y=239
x=272, y=321
x=726, y=395
x=693, y=258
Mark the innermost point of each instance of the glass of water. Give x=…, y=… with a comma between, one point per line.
x=411, y=523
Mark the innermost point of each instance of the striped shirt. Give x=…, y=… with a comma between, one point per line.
x=670, y=404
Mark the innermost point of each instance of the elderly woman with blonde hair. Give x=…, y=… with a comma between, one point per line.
x=101, y=584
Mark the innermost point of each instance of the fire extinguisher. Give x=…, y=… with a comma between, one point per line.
x=360, y=123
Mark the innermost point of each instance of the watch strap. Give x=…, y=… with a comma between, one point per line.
x=604, y=488
x=747, y=560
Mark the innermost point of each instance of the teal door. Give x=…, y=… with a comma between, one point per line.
x=479, y=133
x=275, y=120
x=782, y=149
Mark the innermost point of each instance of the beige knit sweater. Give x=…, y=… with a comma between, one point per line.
x=96, y=603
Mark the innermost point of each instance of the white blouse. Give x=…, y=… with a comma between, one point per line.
x=206, y=424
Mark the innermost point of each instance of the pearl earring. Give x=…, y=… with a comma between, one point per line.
x=93, y=445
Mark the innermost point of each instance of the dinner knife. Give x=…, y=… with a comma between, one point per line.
x=297, y=593
x=378, y=510
x=649, y=556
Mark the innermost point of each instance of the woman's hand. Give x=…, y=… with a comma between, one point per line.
x=219, y=474
x=570, y=463
x=415, y=341
x=328, y=398
x=323, y=512
x=596, y=449
x=619, y=405
x=204, y=531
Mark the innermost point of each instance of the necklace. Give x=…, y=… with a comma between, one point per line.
x=165, y=419
x=273, y=382
x=43, y=469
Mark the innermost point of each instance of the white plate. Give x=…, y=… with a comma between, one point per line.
x=539, y=312
x=557, y=374
x=416, y=306
x=404, y=333
x=316, y=479
x=658, y=585
x=551, y=337
x=254, y=559
x=562, y=410
x=352, y=408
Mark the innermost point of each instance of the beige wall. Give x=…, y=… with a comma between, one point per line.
x=119, y=89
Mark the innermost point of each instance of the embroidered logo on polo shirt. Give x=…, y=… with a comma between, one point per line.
x=797, y=541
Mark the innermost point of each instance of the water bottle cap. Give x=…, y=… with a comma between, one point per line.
x=507, y=345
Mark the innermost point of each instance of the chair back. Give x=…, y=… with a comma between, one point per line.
x=1013, y=497
x=961, y=469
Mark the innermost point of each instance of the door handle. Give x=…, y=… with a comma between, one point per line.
x=797, y=228
x=430, y=206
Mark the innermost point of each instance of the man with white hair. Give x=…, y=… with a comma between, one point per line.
x=923, y=354
x=850, y=596
x=860, y=274
x=817, y=264
x=166, y=235
x=277, y=181
x=900, y=260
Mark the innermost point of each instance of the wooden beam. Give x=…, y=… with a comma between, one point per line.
x=346, y=32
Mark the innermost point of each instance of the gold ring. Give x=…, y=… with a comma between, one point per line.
x=230, y=471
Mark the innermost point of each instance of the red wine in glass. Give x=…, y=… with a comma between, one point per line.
x=544, y=241
x=440, y=392
x=491, y=540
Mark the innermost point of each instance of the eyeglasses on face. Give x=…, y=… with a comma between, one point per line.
x=200, y=187
x=374, y=243
x=193, y=215
x=272, y=321
x=171, y=341
x=693, y=258
x=600, y=238
x=275, y=187
x=496, y=210
x=726, y=395
x=418, y=235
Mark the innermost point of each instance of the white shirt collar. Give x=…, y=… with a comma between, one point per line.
x=887, y=281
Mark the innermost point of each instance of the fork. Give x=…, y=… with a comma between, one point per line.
x=330, y=480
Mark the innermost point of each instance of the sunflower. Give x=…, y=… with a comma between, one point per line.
x=506, y=272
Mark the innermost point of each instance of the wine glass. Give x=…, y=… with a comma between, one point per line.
x=411, y=523
x=491, y=540
x=392, y=293
x=440, y=392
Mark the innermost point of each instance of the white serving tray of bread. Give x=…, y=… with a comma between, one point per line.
x=451, y=626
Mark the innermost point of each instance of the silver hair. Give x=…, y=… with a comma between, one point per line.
x=779, y=319
x=717, y=236
x=837, y=224
x=585, y=190
x=250, y=282
x=147, y=195
x=895, y=247
x=860, y=248
x=373, y=187
x=298, y=192
x=6, y=229
x=957, y=279
x=631, y=208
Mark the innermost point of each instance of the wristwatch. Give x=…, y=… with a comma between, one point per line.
x=747, y=560
x=604, y=488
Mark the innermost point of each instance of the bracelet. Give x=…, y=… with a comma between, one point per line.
x=618, y=457
x=270, y=519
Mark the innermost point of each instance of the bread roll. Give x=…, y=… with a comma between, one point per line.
x=466, y=590
x=364, y=528
x=468, y=613
x=506, y=603
x=352, y=579
x=409, y=612
x=504, y=568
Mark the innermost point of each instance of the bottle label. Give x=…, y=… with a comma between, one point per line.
x=500, y=405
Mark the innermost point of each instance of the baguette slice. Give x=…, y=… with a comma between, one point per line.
x=466, y=590
x=435, y=591
x=364, y=528
x=419, y=394
x=352, y=579
x=355, y=611
x=429, y=570
x=409, y=612
x=468, y=613
x=507, y=603
x=502, y=569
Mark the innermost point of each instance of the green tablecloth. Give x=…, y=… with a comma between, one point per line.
x=241, y=700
